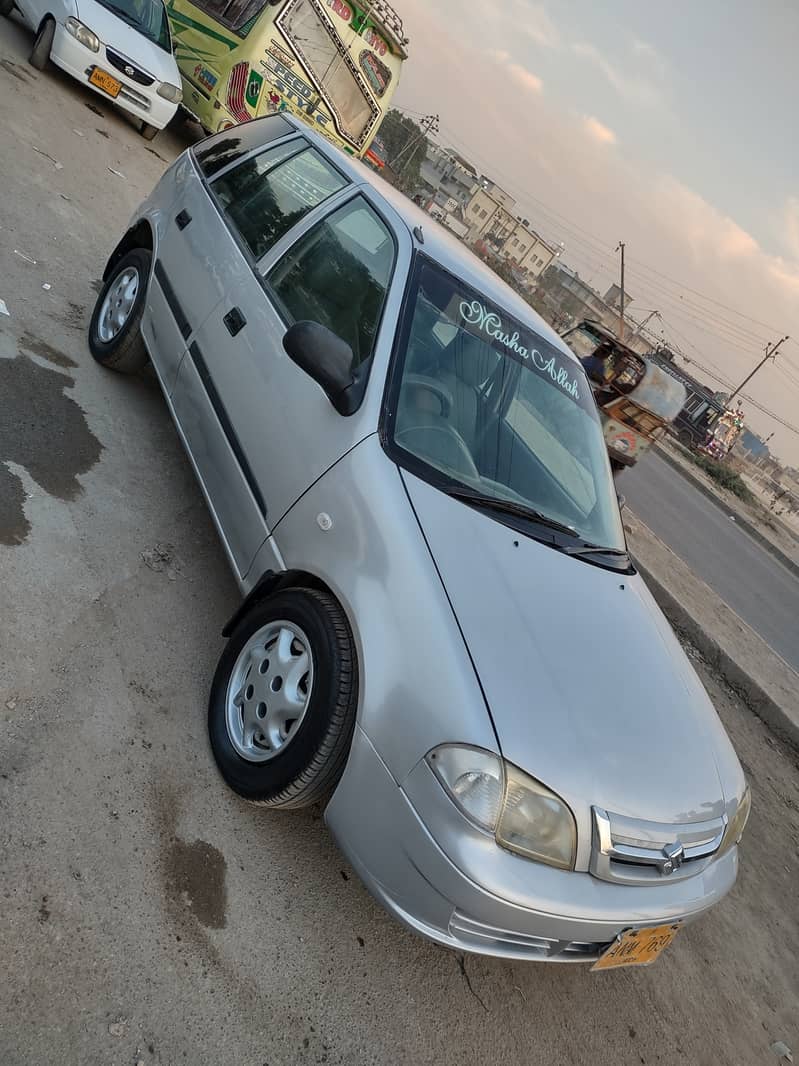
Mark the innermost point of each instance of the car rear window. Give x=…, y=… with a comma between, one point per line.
x=269, y=193
x=217, y=152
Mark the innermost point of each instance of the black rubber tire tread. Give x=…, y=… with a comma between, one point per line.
x=322, y=762
x=43, y=45
x=147, y=131
x=6, y=7
x=126, y=353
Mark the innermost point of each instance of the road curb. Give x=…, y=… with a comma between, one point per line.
x=744, y=523
x=756, y=698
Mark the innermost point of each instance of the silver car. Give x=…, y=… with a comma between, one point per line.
x=442, y=636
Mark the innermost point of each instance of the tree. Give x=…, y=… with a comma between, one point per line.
x=397, y=131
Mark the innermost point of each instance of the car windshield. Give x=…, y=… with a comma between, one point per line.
x=147, y=16
x=487, y=405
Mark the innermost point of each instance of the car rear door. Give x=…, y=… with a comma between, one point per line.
x=198, y=261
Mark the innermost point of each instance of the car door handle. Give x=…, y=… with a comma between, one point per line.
x=234, y=321
x=183, y=219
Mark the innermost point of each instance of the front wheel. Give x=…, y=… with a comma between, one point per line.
x=115, y=338
x=283, y=700
x=147, y=131
x=43, y=45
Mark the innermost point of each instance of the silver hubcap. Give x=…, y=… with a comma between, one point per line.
x=269, y=691
x=118, y=304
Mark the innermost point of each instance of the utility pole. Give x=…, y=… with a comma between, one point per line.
x=642, y=325
x=620, y=248
x=771, y=351
x=429, y=125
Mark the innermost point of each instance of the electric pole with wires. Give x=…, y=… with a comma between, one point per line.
x=429, y=125
x=771, y=353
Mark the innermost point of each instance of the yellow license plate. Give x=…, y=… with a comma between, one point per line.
x=105, y=82
x=637, y=947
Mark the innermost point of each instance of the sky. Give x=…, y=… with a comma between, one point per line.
x=671, y=127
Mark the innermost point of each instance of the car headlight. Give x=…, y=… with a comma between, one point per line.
x=170, y=92
x=524, y=816
x=83, y=34
x=737, y=824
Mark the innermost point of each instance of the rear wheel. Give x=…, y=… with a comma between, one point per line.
x=283, y=700
x=147, y=131
x=43, y=45
x=115, y=338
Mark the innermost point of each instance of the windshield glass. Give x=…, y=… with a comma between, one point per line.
x=490, y=405
x=148, y=16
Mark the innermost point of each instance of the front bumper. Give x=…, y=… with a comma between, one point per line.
x=449, y=882
x=139, y=100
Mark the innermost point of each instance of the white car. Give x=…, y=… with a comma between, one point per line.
x=122, y=49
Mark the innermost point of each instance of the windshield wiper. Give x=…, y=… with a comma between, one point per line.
x=519, y=510
x=595, y=549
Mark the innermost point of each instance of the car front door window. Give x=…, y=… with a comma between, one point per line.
x=338, y=274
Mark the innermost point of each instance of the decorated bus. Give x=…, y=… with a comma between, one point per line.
x=332, y=63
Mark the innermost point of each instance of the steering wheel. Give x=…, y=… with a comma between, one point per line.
x=441, y=392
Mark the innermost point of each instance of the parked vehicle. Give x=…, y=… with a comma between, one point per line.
x=637, y=399
x=407, y=471
x=121, y=49
x=324, y=61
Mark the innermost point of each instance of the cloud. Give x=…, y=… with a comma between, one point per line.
x=536, y=24
x=650, y=55
x=708, y=231
x=636, y=90
x=791, y=220
x=598, y=131
x=498, y=55
x=525, y=78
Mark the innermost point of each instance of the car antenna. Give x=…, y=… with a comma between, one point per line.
x=418, y=234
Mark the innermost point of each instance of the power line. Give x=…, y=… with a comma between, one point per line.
x=598, y=246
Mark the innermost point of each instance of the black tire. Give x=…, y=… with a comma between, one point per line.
x=307, y=769
x=43, y=45
x=125, y=352
x=147, y=131
x=6, y=7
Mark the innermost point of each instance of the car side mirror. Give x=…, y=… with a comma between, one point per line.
x=326, y=358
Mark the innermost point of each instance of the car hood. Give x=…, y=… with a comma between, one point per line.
x=129, y=42
x=588, y=688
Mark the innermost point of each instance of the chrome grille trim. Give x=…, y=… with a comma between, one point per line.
x=641, y=853
x=125, y=65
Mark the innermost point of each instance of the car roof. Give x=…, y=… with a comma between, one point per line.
x=439, y=245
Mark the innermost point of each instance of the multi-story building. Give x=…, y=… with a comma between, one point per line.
x=491, y=217
x=446, y=174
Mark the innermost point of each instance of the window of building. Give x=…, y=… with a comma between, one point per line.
x=338, y=275
x=267, y=194
x=483, y=213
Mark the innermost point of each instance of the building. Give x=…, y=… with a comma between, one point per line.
x=613, y=297
x=445, y=173
x=491, y=217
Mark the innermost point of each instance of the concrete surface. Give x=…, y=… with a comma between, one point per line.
x=770, y=531
x=759, y=588
x=147, y=915
x=768, y=685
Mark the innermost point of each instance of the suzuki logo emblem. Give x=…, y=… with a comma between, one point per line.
x=673, y=855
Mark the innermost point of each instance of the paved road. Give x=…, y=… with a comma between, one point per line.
x=146, y=915
x=762, y=591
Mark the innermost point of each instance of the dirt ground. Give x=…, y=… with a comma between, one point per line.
x=147, y=915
